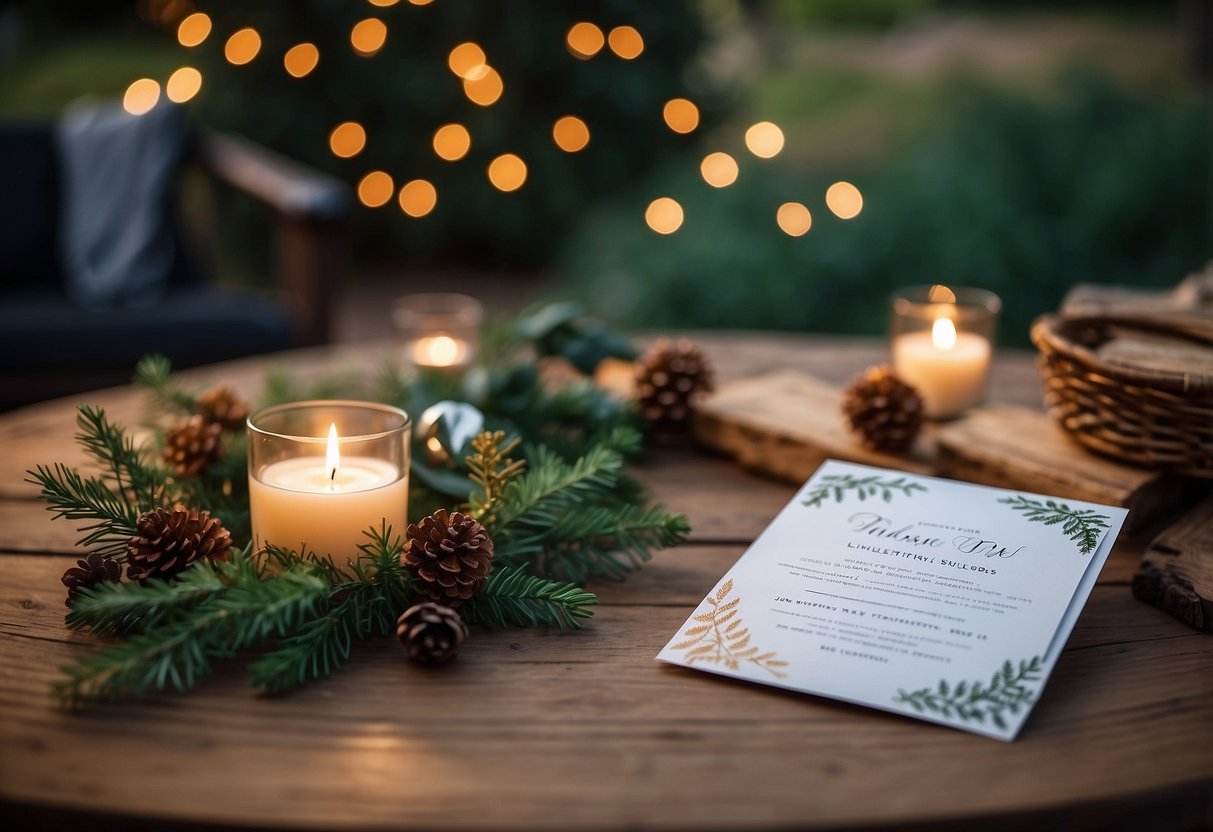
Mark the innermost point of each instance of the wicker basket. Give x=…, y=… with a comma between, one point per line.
x=1160, y=419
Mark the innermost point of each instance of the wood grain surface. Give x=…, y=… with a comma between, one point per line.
x=534, y=730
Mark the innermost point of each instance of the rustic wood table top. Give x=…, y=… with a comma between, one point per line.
x=535, y=730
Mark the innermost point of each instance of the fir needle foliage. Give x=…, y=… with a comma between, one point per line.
x=512, y=598
x=155, y=374
x=839, y=485
x=491, y=468
x=1083, y=526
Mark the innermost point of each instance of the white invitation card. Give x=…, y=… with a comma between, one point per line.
x=936, y=599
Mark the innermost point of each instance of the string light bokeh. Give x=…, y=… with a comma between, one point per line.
x=484, y=86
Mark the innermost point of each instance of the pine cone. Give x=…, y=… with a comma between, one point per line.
x=431, y=633
x=450, y=556
x=886, y=412
x=193, y=446
x=223, y=405
x=670, y=378
x=169, y=541
x=90, y=571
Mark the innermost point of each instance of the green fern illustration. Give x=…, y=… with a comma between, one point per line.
x=839, y=486
x=1083, y=526
x=720, y=637
x=974, y=701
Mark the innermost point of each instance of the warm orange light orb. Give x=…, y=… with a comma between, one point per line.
x=368, y=36
x=418, y=198
x=183, y=85
x=194, y=29
x=301, y=59
x=452, y=142
x=680, y=115
x=483, y=88
x=625, y=42
x=845, y=200
x=507, y=172
x=385, y=3
x=465, y=59
x=584, y=40
x=141, y=96
x=719, y=170
x=664, y=215
x=794, y=219
x=242, y=46
x=764, y=139
x=570, y=134
x=347, y=139
x=375, y=189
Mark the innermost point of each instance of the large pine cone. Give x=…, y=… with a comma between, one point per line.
x=886, y=412
x=193, y=446
x=90, y=571
x=169, y=541
x=224, y=406
x=450, y=556
x=431, y=633
x=670, y=378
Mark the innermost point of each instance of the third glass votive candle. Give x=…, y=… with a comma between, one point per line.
x=321, y=473
x=438, y=329
x=942, y=343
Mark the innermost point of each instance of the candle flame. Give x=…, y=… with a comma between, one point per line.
x=943, y=333
x=332, y=459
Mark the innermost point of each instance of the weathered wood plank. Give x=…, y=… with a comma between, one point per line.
x=1012, y=447
x=786, y=424
x=576, y=721
x=1176, y=573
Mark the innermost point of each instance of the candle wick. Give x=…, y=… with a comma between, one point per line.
x=333, y=475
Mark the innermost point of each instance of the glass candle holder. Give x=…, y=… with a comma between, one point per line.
x=942, y=340
x=323, y=472
x=438, y=330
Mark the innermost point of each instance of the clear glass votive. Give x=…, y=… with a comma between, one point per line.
x=942, y=340
x=323, y=472
x=438, y=330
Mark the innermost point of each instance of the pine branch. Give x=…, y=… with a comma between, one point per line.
x=551, y=482
x=74, y=497
x=1083, y=526
x=839, y=485
x=512, y=598
x=368, y=607
x=600, y=542
x=110, y=607
x=155, y=373
x=116, y=452
x=177, y=652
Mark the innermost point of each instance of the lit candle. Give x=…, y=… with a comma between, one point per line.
x=948, y=367
x=325, y=502
x=439, y=351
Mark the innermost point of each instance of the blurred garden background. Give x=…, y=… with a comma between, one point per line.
x=1021, y=148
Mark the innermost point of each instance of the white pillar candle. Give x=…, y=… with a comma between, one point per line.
x=948, y=367
x=439, y=351
x=326, y=503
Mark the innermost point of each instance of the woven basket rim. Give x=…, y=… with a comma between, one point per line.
x=1048, y=334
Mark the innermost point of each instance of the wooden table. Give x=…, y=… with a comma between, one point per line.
x=533, y=730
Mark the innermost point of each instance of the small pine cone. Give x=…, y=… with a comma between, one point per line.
x=224, y=406
x=431, y=633
x=450, y=556
x=169, y=541
x=886, y=412
x=670, y=378
x=193, y=446
x=88, y=572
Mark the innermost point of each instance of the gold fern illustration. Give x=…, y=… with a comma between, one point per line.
x=719, y=636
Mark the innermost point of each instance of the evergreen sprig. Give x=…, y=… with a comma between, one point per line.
x=490, y=468
x=155, y=374
x=176, y=649
x=1083, y=526
x=71, y=496
x=974, y=701
x=839, y=485
x=512, y=598
x=117, y=454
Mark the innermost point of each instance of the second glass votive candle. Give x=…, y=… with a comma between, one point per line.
x=438, y=330
x=942, y=340
x=321, y=473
